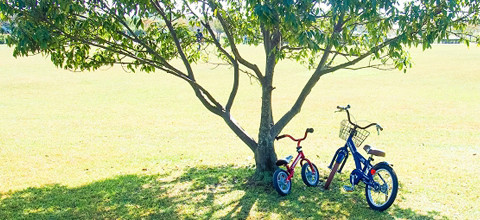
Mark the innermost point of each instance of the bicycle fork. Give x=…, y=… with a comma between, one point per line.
x=340, y=156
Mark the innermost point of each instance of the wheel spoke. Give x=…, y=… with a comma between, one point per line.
x=382, y=178
x=383, y=192
x=309, y=175
x=381, y=196
x=282, y=180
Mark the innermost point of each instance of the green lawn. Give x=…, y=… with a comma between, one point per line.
x=111, y=144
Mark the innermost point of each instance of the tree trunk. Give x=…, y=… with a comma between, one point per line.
x=265, y=156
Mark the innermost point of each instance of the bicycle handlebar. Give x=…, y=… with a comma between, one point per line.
x=309, y=130
x=341, y=108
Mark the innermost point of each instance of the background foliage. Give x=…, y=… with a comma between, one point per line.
x=110, y=144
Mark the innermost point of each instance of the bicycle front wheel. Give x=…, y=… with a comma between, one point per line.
x=381, y=197
x=310, y=176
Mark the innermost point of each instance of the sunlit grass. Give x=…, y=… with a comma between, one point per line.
x=110, y=144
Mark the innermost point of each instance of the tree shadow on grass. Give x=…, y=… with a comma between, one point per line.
x=128, y=197
x=199, y=192
x=262, y=201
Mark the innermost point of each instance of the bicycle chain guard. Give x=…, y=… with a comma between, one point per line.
x=355, y=177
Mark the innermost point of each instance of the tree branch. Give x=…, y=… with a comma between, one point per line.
x=199, y=93
x=376, y=66
x=242, y=134
x=286, y=47
x=226, y=115
x=139, y=41
x=363, y=56
x=233, y=62
x=287, y=117
x=233, y=46
x=173, y=33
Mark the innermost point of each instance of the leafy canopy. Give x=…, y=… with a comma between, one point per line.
x=86, y=34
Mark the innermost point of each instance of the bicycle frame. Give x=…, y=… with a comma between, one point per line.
x=360, y=173
x=366, y=172
x=300, y=157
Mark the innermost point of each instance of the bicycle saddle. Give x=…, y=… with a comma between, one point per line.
x=282, y=162
x=377, y=152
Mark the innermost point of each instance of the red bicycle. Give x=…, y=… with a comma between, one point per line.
x=282, y=179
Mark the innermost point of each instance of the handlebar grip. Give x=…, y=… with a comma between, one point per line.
x=280, y=137
x=343, y=108
x=379, y=127
x=310, y=130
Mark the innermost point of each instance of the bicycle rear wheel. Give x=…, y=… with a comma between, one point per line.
x=332, y=174
x=382, y=197
x=280, y=182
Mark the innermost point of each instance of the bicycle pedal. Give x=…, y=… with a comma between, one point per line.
x=348, y=188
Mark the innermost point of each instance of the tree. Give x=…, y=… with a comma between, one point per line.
x=88, y=34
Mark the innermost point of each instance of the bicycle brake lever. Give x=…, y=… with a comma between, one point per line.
x=379, y=128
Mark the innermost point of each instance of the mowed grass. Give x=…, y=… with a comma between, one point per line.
x=111, y=144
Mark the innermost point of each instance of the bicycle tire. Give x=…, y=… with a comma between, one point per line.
x=281, y=185
x=393, y=192
x=332, y=174
x=306, y=173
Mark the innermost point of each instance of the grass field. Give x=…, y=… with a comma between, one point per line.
x=111, y=144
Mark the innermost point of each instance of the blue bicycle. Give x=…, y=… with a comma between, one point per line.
x=381, y=183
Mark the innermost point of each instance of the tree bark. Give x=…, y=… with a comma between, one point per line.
x=265, y=156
